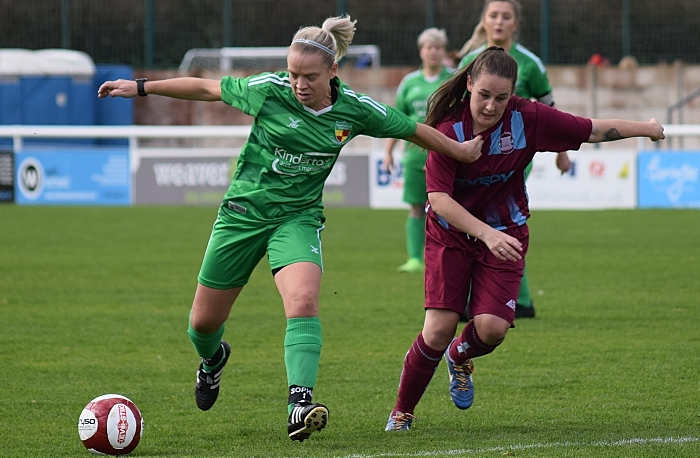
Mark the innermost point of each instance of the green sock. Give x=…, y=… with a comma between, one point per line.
x=206, y=345
x=524, y=297
x=302, y=351
x=415, y=237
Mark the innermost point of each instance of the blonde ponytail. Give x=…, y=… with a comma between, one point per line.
x=477, y=39
x=342, y=29
x=331, y=40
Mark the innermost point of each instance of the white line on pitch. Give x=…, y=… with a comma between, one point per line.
x=458, y=452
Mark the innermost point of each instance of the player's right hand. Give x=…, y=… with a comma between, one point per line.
x=118, y=88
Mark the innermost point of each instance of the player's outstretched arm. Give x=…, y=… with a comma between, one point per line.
x=608, y=130
x=186, y=88
x=432, y=139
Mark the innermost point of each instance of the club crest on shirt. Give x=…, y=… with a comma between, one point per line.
x=506, y=143
x=342, y=132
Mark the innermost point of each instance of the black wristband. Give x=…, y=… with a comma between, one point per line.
x=140, y=86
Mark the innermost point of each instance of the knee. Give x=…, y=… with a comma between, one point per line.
x=204, y=326
x=492, y=336
x=439, y=328
x=492, y=331
x=302, y=304
x=438, y=338
x=417, y=211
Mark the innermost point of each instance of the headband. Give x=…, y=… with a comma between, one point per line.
x=318, y=45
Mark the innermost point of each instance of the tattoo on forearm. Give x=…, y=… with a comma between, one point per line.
x=611, y=135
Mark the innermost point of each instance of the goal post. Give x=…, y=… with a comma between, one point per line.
x=266, y=58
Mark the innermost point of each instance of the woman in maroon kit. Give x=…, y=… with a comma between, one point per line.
x=476, y=231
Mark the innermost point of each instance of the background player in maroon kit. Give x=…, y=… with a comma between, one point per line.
x=476, y=231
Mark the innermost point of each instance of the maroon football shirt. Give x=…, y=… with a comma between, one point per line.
x=493, y=188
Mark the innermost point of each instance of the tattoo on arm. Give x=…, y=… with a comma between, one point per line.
x=611, y=135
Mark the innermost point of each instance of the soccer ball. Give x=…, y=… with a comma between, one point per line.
x=110, y=425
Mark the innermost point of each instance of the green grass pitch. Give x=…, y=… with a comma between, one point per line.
x=95, y=300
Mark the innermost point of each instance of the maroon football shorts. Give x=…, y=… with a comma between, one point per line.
x=460, y=268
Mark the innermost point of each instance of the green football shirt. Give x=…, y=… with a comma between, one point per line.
x=412, y=97
x=291, y=148
x=532, y=80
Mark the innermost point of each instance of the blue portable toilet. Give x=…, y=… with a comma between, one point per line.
x=47, y=87
x=117, y=111
x=113, y=111
x=10, y=97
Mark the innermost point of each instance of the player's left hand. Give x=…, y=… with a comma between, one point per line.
x=658, y=130
x=503, y=246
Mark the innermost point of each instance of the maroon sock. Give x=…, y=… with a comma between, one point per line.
x=469, y=345
x=418, y=368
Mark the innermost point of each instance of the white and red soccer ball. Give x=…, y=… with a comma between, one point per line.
x=110, y=425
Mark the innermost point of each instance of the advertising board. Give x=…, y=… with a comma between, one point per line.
x=193, y=180
x=386, y=189
x=348, y=183
x=203, y=180
x=64, y=176
x=7, y=176
x=598, y=179
x=669, y=179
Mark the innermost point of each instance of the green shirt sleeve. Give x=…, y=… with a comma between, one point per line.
x=535, y=81
x=246, y=94
x=392, y=125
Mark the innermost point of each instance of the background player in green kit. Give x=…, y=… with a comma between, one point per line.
x=303, y=117
x=412, y=99
x=498, y=27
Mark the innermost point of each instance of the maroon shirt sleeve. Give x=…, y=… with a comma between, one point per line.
x=559, y=131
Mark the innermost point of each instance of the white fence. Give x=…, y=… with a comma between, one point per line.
x=133, y=134
x=18, y=133
x=177, y=165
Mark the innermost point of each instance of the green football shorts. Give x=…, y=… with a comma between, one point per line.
x=236, y=246
x=414, y=189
